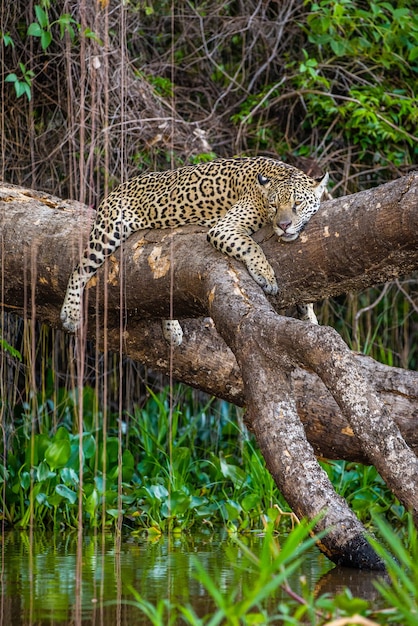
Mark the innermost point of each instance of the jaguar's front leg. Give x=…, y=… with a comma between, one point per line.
x=233, y=238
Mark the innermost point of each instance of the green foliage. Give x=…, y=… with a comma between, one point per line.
x=337, y=84
x=23, y=82
x=163, y=86
x=385, y=32
x=272, y=569
x=5, y=345
x=177, y=467
x=366, y=492
x=275, y=564
x=43, y=28
x=235, y=606
x=203, y=157
x=7, y=39
x=401, y=592
x=168, y=474
x=376, y=48
x=378, y=322
x=356, y=76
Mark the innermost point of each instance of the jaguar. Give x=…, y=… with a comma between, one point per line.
x=233, y=197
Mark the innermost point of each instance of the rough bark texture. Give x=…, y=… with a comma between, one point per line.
x=265, y=361
x=205, y=361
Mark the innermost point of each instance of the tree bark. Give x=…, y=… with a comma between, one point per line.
x=205, y=362
x=265, y=361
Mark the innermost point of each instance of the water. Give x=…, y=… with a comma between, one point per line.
x=54, y=579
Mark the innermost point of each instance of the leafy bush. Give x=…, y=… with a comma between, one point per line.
x=365, y=70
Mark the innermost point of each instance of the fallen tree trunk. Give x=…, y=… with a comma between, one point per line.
x=354, y=242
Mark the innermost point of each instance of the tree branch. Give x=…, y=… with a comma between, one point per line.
x=354, y=242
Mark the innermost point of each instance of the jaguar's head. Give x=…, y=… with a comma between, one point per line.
x=292, y=200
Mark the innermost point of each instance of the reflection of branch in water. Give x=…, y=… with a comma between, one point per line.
x=359, y=582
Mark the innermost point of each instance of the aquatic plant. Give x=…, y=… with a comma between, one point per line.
x=162, y=468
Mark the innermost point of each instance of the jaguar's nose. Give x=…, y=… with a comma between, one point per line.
x=285, y=225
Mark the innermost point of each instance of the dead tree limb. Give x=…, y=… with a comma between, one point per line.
x=354, y=242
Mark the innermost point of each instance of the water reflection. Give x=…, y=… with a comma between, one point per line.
x=63, y=579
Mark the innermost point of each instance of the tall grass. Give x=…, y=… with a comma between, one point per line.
x=398, y=589
x=381, y=322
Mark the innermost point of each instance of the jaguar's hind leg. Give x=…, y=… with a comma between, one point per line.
x=172, y=332
x=306, y=313
x=106, y=236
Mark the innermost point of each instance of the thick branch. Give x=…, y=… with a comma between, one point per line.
x=266, y=346
x=205, y=361
x=354, y=242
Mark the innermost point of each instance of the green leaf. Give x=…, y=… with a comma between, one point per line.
x=255, y=618
x=62, y=433
x=338, y=47
x=128, y=464
x=159, y=492
x=90, y=34
x=399, y=13
x=43, y=471
x=58, y=453
x=10, y=78
x=42, y=499
x=65, y=22
x=27, y=74
x=7, y=40
x=350, y=605
x=413, y=54
x=89, y=446
x=35, y=30
x=69, y=476
x=114, y=512
x=233, y=472
x=25, y=480
x=91, y=503
x=27, y=91
x=20, y=88
x=41, y=16
x=178, y=504
x=250, y=501
x=4, y=474
x=66, y=493
x=46, y=39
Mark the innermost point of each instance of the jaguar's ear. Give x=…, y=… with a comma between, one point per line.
x=263, y=180
x=321, y=185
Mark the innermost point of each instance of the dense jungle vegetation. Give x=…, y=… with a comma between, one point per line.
x=95, y=93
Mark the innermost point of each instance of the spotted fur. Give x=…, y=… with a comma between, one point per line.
x=233, y=197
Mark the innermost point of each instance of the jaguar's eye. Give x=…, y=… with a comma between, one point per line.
x=263, y=180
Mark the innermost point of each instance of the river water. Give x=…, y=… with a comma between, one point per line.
x=66, y=579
